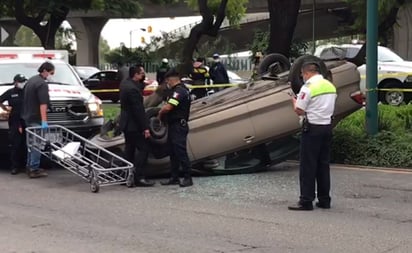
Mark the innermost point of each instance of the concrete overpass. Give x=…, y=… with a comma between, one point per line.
x=88, y=25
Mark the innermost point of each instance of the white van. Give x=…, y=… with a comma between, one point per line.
x=71, y=104
x=393, y=71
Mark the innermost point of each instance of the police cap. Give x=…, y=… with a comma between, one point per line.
x=19, y=78
x=172, y=72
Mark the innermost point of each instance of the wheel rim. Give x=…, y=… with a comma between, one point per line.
x=157, y=127
x=394, y=97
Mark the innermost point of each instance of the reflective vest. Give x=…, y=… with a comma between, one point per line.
x=321, y=87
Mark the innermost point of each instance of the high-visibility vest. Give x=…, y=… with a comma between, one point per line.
x=321, y=87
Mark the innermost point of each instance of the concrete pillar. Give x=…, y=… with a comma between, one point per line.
x=88, y=31
x=402, y=42
x=11, y=27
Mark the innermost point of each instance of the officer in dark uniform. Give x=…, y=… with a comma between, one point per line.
x=316, y=103
x=14, y=97
x=176, y=113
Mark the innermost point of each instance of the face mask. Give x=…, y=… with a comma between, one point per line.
x=216, y=60
x=21, y=85
x=168, y=86
x=49, y=78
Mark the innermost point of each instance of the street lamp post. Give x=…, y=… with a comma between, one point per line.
x=131, y=32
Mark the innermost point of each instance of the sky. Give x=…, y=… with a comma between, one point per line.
x=117, y=31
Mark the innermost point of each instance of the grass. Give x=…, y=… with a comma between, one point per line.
x=110, y=111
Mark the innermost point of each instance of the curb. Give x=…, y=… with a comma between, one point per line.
x=358, y=167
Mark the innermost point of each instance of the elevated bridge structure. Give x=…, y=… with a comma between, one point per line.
x=89, y=25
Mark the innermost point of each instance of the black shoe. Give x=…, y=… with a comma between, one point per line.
x=171, y=181
x=323, y=205
x=15, y=171
x=301, y=207
x=144, y=183
x=186, y=182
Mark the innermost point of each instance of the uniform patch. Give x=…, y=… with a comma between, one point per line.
x=303, y=95
x=175, y=95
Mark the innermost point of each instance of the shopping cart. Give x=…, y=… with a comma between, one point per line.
x=93, y=163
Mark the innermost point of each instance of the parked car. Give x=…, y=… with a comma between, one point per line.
x=393, y=71
x=105, y=84
x=71, y=104
x=237, y=119
x=86, y=71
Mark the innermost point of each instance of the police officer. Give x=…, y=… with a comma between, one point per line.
x=162, y=70
x=316, y=102
x=176, y=113
x=14, y=97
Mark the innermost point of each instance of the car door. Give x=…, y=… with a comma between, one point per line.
x=218, y=130
x=271, y=112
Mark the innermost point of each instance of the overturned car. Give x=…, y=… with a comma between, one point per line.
x=228, y=128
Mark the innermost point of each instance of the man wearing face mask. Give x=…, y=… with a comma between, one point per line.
x=14, y=98
x=35, y=103
x=134, y=124
x=218, y=72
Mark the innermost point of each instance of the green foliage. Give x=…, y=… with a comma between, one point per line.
x=261, y=40
x=235, y=9
x=125, y=55
x=110, y=111
x=391, y=147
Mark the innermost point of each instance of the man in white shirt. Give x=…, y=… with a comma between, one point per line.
x=316, y=103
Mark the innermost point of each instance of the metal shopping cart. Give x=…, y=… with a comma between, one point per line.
x=93, y=163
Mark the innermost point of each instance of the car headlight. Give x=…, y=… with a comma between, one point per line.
x=408, y=79
x=95, y=107
x=4, y=115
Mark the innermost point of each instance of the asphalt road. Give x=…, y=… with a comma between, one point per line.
x=372, y=212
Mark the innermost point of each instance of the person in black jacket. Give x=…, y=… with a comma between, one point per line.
x=133, y=123
x=218, y=72
x=14, y=97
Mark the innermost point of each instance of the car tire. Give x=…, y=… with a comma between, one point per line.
x=269, y=62
x=158, y=129
x=394, y=98
x=295, y=77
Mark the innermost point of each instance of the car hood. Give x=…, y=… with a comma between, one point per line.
x=60, y=92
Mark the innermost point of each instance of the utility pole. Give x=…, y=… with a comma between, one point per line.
x=372, y=67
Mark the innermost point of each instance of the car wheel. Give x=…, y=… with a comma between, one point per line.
x=274, y=63
x=295, y=77
x=395, y=97
x=158, y=129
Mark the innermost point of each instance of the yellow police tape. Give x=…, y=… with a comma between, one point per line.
x=189, y=86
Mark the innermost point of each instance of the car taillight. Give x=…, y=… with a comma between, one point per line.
x=358, y=97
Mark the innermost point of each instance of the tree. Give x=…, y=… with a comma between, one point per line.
x=45, y=17
x=387, y=11
x=213, y=13
x=283, y=18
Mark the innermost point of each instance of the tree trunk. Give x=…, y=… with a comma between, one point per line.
x=209, y=26
x=283, y=18
x=47, y=32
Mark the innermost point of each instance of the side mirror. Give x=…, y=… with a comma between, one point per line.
x=91, y=83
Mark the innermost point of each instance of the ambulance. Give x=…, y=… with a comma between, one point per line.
x=72, y=105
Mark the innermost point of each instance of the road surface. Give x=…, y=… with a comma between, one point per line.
x=372, y=212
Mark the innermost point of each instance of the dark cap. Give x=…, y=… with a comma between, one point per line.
x=172, y=72
x=19, y=78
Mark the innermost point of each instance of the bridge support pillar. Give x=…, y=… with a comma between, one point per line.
x=402, y=32
x=11, y=27
x=88, y=31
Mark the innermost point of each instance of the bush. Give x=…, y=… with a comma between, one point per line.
x=391, y=147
